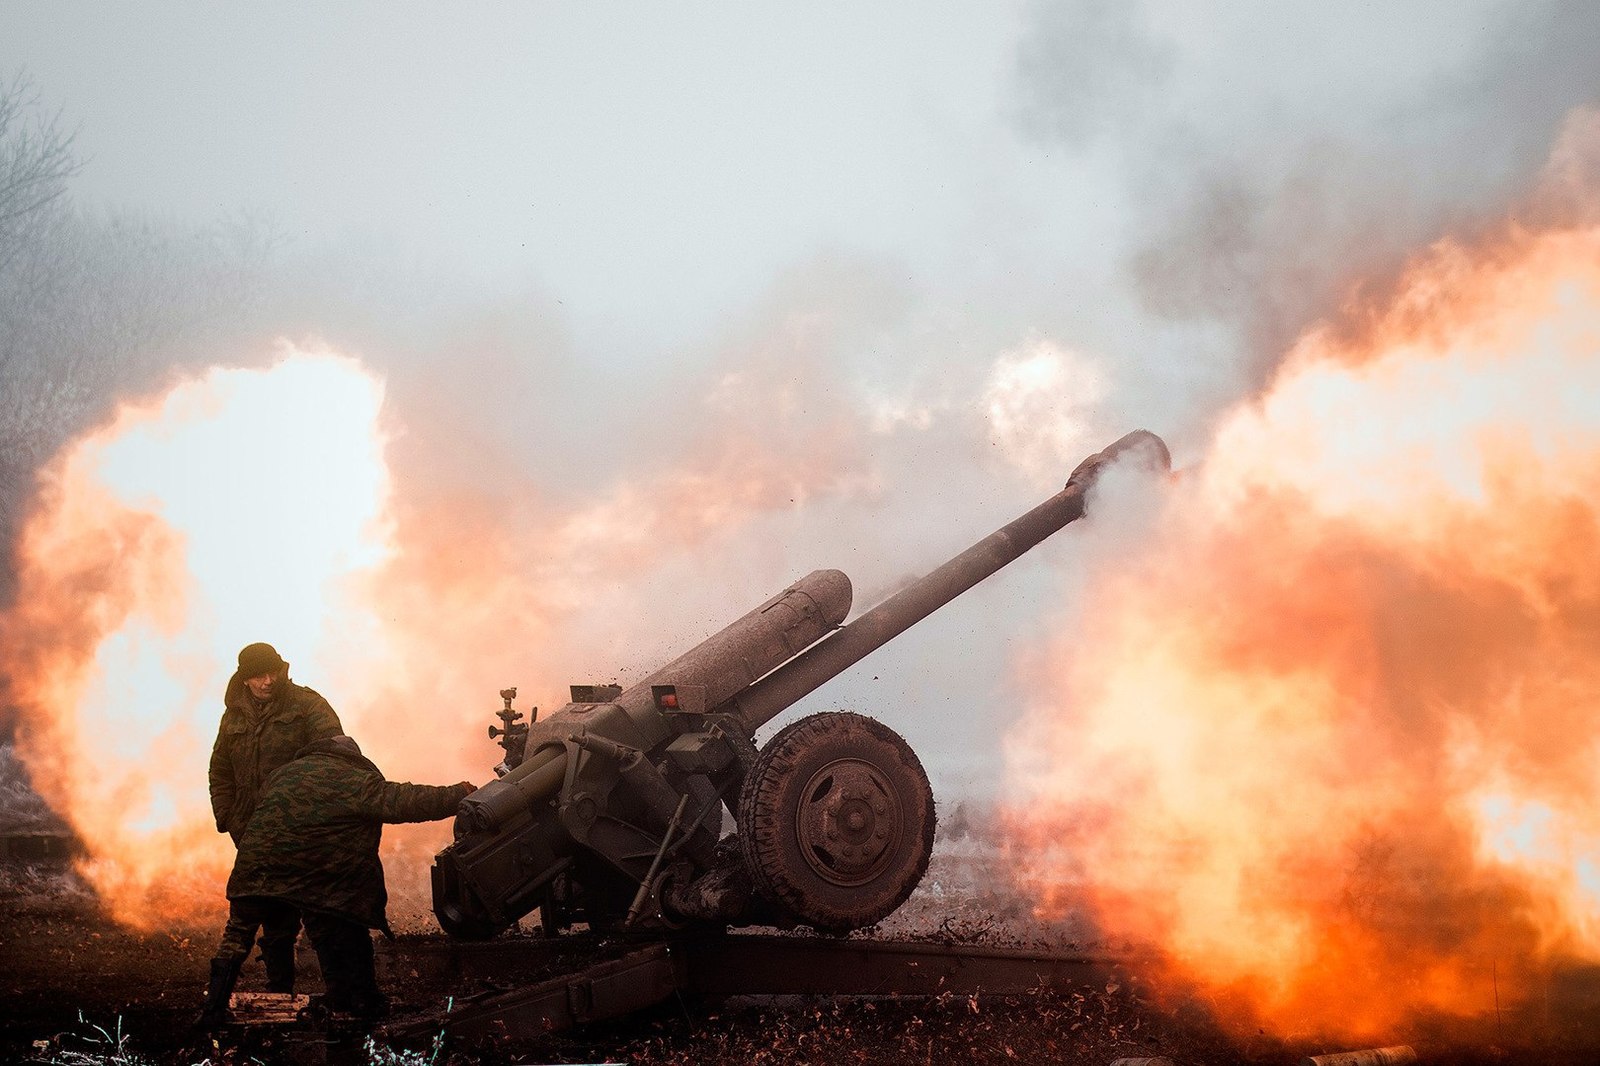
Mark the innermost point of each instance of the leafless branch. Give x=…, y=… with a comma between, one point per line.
x=36, y=161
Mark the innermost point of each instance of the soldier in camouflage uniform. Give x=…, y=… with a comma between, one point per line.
x=312, y=845
x=266, y=719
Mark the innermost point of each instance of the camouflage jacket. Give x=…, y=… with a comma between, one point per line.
x=252, y=742
x=313, y=840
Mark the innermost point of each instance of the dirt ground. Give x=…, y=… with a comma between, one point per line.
x=75, y=988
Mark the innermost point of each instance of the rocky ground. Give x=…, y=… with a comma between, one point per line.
x=76, y=989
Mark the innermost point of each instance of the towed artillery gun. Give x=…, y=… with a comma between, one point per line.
x=608, y=812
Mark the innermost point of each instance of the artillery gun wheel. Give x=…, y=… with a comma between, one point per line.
x=836, y=820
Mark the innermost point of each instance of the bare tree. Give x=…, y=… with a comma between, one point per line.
x=36, y=161
x=97, y=305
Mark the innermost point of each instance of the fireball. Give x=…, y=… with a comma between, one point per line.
x=1328, y=739
x=240, y=506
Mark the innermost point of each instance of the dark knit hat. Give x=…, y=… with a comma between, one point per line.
x=258, y=659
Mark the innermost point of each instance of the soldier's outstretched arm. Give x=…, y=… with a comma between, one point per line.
x=399, y=801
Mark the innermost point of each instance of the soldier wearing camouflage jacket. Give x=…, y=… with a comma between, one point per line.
x=313, y=840
x=259, y=733
x=266, y=718
x=313, y=844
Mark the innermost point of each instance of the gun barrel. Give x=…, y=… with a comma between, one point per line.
x=721, y=665
x=761, y=702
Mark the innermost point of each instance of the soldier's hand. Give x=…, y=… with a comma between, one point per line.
x=469, y=786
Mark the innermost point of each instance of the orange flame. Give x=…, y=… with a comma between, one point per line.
x=1327, y=740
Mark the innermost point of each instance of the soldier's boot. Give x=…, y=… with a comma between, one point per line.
x=224, y=975
x=279, y=960
x=368, y=1002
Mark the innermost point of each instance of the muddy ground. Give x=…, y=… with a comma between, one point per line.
x=75, y=988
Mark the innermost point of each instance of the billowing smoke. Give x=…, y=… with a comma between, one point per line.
x=555, y=511
x=1276, y=164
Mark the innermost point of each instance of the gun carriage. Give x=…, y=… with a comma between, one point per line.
x=609, y=811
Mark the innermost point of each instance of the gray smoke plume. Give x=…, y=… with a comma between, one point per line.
x=1278, y=158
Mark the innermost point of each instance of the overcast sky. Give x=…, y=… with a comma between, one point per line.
x=1174, y=189
x=654, y=166
x=650, y=165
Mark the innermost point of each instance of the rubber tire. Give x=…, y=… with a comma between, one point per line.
x=773, y=802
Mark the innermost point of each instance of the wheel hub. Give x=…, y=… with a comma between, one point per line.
x=848, y=822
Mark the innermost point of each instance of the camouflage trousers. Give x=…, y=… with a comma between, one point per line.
x=344, y=952
x=279, y=925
